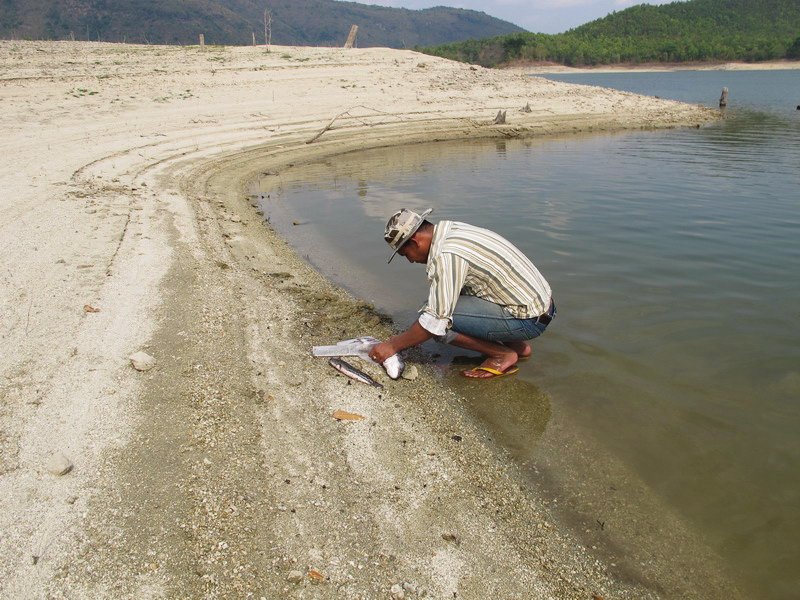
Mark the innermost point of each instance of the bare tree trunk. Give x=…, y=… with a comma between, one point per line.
x=267, y=27
x=351, y=38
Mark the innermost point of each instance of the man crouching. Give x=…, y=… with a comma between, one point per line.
x=485, y=294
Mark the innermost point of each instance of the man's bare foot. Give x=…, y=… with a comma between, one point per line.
x=523, y=349
x=500, y=364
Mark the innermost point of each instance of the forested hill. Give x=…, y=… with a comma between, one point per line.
x=697, y=30
x=294, y=22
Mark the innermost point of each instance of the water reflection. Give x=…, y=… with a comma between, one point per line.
x=515, y=412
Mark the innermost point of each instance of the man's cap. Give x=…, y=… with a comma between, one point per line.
x=401, y=226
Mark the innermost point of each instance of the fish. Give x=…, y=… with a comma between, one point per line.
x=350, y=371
x=356, y=347
x=394, y=366
x=361, y=346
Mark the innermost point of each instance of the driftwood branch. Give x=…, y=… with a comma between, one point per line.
x=324, y=129
x=347, y=113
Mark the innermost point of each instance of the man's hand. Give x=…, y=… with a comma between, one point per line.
x=414, y=335
x=381, y=352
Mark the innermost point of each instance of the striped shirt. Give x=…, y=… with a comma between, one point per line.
x=468, y=260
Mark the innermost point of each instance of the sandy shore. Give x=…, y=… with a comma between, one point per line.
x=220, y=472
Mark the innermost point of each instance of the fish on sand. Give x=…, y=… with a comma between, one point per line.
x=360, y=347
x=350, y=371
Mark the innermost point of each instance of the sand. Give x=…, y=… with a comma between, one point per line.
x=220, y=473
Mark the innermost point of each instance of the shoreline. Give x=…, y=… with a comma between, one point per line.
x=220, y=472
x=777, y=65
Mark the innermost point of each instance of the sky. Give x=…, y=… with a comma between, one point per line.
x=539, y=16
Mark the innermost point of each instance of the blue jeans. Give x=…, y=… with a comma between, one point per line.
x=485, y=320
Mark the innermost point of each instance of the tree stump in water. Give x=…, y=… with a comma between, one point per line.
x=723, y=99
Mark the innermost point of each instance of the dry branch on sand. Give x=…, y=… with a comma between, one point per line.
x=359, y=118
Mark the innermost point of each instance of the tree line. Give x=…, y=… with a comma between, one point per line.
x=699, y=30
x=294, y=22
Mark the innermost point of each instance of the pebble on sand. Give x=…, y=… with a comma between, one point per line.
x=451, y=537
x=295, y=576
x=58, y=464
x=397, y=592
x=410, y=373
x=142, y=361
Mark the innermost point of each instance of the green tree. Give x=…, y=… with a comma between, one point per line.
x=692, y=30
x=794, y=50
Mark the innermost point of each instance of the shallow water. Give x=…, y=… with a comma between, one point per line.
x=675, y=261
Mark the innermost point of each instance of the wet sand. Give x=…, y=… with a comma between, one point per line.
x=221, y=472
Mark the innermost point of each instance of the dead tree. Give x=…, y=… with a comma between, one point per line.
x=351, y=38
x=267, y=27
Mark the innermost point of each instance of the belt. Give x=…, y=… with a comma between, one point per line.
x=549, y=315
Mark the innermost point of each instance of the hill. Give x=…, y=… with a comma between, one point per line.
x=294, y=22
x=697, y=30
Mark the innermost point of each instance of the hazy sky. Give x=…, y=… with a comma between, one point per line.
x=547, y=16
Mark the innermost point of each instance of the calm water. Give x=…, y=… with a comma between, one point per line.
x=675, y=262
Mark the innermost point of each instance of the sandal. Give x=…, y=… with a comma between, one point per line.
x=495, y=373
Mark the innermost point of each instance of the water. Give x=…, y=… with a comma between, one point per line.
x=675, y=261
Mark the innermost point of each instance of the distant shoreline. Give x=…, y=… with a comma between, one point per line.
x=776, y=65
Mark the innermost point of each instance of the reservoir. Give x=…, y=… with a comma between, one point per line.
x=660, y=412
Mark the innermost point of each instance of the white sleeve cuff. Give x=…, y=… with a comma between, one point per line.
x=433, y=324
